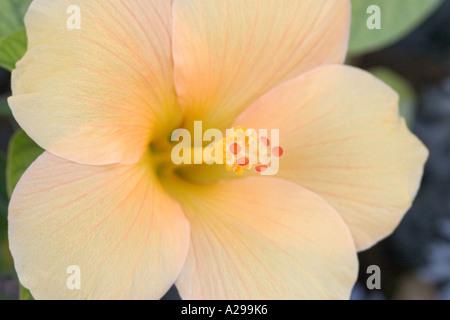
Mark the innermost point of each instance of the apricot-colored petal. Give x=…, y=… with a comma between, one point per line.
x=99, y=94
x=260, y=238
x=115, y=222
x=343, y=139
x=229, y=52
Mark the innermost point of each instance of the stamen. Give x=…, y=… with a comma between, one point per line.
x=277, y=151
x=245, y=149
x=235, y=148
x=243, y=161
x=265, y=141
x=261, y=168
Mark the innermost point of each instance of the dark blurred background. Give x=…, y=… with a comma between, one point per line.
x=415, y=260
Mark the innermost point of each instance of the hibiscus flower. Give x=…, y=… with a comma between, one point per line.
x=103, y=101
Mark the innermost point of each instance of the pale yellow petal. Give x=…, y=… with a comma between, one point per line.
x=101, y=93
x=229, y=52
x=126, y=235
x=264, y=239
x=343, y=139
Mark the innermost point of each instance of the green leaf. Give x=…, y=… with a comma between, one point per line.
x=12, y=49
x=6, y=262
x=5, y=111
x=3, y=194
x=13, y=39
x=408, y=97
x=12, y=13
x=398, y=18
x=24, y=293
x=22, y=152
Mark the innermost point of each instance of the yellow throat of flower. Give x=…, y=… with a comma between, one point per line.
x=240, y=150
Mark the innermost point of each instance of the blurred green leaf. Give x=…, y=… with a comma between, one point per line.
x=13, y=38
x=24, y=293
x=398, y=18
x=3, y=193
x=5, y=111
x=12, y=13
x=6, y=262
x=22, y=152
x=408, y=98
x=12, y=49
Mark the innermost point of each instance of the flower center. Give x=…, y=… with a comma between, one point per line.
x=240, y=150
x=244, y=149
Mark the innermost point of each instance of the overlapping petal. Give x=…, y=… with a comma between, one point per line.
x=99, y=94
x=263, y=239
x=229, y=52
x=344, y=140
x=116, y=223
